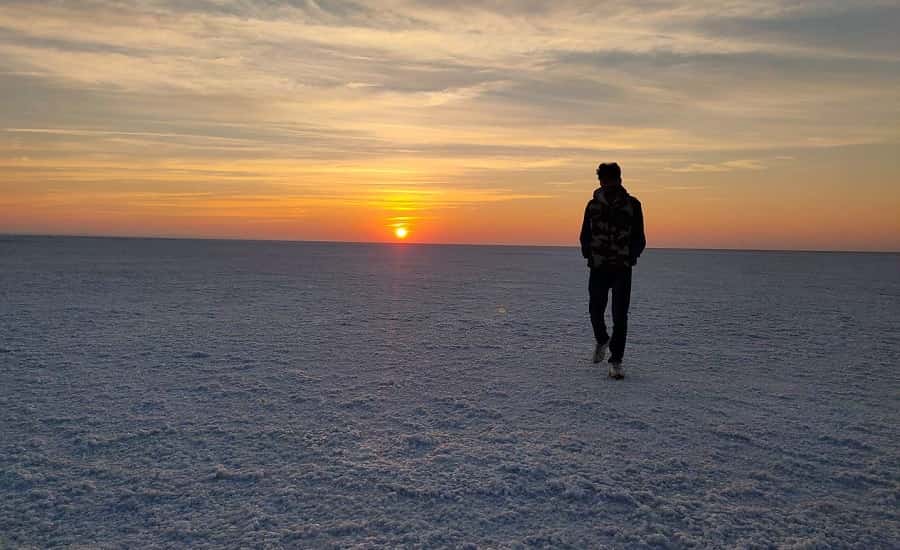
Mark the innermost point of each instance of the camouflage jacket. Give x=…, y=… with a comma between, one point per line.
x=612, y=233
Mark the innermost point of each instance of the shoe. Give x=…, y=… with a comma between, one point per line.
x=616, y=370
x=600, y=351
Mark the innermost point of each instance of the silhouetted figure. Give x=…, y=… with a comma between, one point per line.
x=612, y=239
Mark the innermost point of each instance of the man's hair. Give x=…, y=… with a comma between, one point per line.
x=609, y=172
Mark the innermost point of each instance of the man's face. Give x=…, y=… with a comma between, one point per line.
x=609, y=182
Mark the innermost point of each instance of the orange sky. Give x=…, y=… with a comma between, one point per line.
x=345, y=121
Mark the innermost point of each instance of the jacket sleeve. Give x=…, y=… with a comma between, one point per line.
x=638, y=239
x=585, y=236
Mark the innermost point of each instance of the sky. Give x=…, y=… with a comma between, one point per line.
x=770, y=124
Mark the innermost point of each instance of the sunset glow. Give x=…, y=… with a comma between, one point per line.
x=400, y=232
x=476, y=122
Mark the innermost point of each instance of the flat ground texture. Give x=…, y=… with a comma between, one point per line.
x=160, y=393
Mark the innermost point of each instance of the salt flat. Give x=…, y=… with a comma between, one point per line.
x=165, y=393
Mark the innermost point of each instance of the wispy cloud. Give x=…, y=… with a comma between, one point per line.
x=727, y=166
x=478, y=66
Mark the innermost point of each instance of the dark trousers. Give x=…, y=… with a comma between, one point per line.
x=602, y=281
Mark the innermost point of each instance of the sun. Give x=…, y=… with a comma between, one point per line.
x=401, y=232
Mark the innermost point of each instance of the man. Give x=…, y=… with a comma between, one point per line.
x=612, y=239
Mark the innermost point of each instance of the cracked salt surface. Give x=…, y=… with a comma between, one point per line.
x=160, y=393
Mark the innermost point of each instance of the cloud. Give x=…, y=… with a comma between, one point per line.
x=685, y=188
x=727, y=166
x=859, y=29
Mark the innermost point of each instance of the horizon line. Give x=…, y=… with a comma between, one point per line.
x=413, y=243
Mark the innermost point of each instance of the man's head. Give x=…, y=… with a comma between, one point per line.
x=609, y=174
